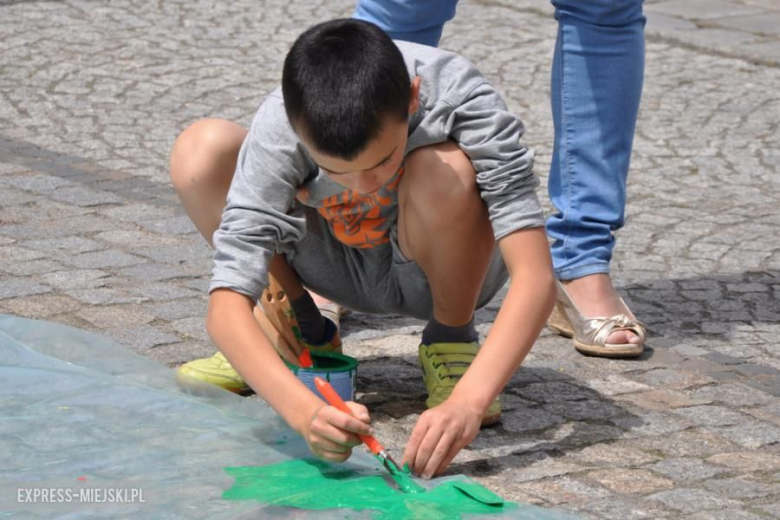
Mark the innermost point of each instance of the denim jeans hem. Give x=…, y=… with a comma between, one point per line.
x=572, y=273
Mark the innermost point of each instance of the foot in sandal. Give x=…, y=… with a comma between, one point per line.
x=590, y=311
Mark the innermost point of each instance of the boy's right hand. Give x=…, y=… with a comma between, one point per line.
x=331, y=434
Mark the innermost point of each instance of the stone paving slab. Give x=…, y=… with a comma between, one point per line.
x=745, y=29
x=93, y=95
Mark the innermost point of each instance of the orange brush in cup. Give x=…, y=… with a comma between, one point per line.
x=279, y=313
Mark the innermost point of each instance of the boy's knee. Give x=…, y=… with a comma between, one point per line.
x=440, y=178
x=200, y=148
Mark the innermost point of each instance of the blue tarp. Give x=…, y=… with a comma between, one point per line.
x=82, y=416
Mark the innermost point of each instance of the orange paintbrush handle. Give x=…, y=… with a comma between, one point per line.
x=336, y=401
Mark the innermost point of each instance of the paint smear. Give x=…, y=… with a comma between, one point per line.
x=316, y=485
x=403, y=478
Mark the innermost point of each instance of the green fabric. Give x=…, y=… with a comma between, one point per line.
x=480, y=493
x=317, y=485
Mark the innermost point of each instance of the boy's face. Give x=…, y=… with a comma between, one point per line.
x=373, y=167
x=377, y=164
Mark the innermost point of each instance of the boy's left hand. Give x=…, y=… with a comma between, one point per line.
x=440, y=433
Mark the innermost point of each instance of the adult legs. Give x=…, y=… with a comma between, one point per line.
x=598, y=69
x=409, y=20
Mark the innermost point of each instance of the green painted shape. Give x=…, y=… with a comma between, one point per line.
x=316, y=485
x=403, y=477
x=480, y=493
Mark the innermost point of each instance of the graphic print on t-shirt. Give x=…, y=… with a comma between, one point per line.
x=361, y=221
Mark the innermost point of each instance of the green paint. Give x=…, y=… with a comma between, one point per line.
x=403, y=478
x=479, y=493
x=327, y=363
x=316, y=485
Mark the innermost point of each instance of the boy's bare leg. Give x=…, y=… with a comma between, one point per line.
x=202, y=164
x=443, y=225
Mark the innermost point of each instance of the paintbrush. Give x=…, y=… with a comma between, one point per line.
x=333, y=398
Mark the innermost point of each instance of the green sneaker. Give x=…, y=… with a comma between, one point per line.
x=443, y=365
x=217, y=370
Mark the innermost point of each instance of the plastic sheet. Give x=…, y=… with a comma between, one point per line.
x=79, y=412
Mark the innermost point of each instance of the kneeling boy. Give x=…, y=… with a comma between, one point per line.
x=381, y=176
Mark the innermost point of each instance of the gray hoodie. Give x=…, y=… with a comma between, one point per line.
x=273, y=169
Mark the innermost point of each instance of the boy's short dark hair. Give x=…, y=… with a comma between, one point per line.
x=341, y=81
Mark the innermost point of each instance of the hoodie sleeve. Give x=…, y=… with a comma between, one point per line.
x=258, y=219
x=490, y=135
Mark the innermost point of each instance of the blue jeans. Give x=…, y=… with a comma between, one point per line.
x=598, y=69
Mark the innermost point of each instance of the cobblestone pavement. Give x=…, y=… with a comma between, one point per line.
x=92, y=96
x=746, y=29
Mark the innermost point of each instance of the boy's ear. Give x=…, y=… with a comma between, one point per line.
x=414, y=102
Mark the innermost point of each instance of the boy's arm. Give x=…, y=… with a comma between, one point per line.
x=489, y=135
x=330, y=433
x=444, y=430
x=233, y=327
x=257, y=222
x=522, y=316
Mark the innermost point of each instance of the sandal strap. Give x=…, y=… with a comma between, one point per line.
x=599, y=329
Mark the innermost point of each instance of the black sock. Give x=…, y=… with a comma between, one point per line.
x=435, y=332
x=309, y=318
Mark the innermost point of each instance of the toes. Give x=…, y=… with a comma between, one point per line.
x=622, y=337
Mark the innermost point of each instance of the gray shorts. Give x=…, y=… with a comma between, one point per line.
x=379, y=280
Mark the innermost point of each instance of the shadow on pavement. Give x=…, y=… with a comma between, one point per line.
x=713, y=305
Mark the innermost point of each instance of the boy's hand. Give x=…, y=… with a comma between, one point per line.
x=331, y=434
x=439, y=435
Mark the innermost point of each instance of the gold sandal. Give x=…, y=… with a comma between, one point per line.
x=590, y=334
